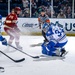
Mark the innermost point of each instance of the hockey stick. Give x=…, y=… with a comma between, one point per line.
x=20, y=60
x=23, y=52
x=2, y=69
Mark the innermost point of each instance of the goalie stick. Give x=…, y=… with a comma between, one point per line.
x=20, y=60
x=23, y=52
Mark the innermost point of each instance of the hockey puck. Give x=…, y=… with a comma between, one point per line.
x=2, y=69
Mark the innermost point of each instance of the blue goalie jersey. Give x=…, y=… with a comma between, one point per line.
x=56, y=39
x=56, y=34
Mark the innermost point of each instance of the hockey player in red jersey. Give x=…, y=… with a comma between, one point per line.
x=11, y=28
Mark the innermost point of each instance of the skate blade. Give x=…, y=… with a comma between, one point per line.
x=64, y=54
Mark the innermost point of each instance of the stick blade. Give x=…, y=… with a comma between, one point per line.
x=36, y=57
x=2, y=69
x=20, y=60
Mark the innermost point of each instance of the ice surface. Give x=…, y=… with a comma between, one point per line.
x=42, y=66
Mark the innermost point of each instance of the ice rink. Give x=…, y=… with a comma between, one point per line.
x=41, y=66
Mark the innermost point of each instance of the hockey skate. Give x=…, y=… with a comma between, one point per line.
x=63, y=52
x=19, y=47
x=9, y=49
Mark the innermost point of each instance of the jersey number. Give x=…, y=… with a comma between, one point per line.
x=58, y=33
x=11, y=17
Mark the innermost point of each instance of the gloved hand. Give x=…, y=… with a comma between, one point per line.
x=4, y=41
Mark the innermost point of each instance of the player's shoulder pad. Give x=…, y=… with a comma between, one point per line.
x=52, y=24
